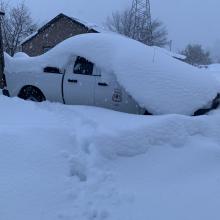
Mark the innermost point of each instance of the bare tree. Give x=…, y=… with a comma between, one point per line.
x=196, y=55
x=123, y=23
x=17, y=25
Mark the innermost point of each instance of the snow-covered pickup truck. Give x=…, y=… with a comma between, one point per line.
x=79, y=83
x=111, y=71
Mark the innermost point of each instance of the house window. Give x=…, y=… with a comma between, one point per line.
x=45, y=49
x=83, y=66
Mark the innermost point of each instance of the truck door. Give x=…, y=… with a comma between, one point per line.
x=109, y=94
x=104, y=90
x=78, y=84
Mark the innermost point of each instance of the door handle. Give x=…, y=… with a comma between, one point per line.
x=72, y=80
x=102, y=84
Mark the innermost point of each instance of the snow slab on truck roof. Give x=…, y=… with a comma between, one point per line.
x=155, y=80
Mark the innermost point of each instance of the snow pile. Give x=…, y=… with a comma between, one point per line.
x=179, y=130
x=170, y=53
x=214, y=67
x=70, y=162
x=155, y=80
x=20, y=55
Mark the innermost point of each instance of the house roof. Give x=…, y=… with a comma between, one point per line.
x=89, y=26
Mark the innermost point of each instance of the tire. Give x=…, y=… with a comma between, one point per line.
x=32, y=93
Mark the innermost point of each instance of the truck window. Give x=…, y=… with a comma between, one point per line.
x=83, y=66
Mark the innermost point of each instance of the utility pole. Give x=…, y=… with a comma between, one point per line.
x=2, y=61
x=141, y=13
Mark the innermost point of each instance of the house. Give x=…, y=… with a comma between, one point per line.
x=55, y=31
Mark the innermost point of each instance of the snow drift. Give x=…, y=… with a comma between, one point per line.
x=155, y=80
x=62, y=162
x=214, y=67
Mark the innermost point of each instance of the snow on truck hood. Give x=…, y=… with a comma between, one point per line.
x=158, y=82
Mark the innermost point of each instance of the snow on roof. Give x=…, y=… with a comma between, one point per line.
x=29, y=37
x=154, y=79
x=90, y=26
x=20, y=55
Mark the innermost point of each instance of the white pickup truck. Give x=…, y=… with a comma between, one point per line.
x=113, y=72
x=80, y=82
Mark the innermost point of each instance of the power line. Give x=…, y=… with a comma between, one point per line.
x=141, y=12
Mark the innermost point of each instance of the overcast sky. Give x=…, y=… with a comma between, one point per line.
x=188, y=21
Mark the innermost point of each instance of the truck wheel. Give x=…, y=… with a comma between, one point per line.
x=32, y=93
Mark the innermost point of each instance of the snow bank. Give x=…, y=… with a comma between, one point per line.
x=20, y=55
x=178, y=131
x=170, y=53
x=214, y=67
x=74, y=162
x=155, y=80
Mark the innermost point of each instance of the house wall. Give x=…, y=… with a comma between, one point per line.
x=55, y=33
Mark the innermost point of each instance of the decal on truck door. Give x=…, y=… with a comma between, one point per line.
x=117, y=96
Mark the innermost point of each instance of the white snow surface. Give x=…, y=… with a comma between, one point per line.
x=170, y=53
x=214, y=67
x=94, y=26
x=155, y=80
x=73, y=162
x=20, y=55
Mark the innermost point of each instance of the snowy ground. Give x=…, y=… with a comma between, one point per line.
x=70, y=162
x=215, y=70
